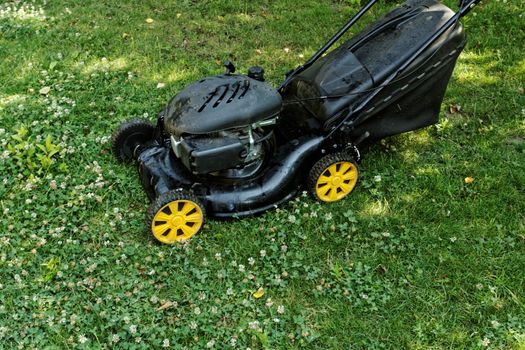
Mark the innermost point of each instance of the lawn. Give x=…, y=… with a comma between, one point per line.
x=427, y=253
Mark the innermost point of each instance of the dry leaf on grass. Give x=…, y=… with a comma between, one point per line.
x=260, y=292
x=166, y=305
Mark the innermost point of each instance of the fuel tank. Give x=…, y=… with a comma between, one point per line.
x=219, y=103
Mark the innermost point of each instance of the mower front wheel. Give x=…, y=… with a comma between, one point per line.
x=129, y=137
x=333, y=177
x=175, y=216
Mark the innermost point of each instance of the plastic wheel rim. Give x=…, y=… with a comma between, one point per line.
x=177, y=221
x=336, y=181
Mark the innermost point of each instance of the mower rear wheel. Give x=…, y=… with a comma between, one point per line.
x=333, y=177
x=175, y=216
x=128, y=137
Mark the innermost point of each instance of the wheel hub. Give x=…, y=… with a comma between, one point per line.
x=336, y=181
x=178, y=221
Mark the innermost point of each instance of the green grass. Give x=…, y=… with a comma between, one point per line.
x=415, y=258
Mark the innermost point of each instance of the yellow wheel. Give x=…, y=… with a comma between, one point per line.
x=175, y=216
x=333, y=177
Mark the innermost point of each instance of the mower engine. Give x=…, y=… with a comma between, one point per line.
x=222, y=125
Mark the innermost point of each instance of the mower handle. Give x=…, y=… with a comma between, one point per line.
x=465, y=6
x=469, y=4
x=328, y=45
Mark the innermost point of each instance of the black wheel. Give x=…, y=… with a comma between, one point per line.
x=333, y=177
x=129, y=136
x=175, y=216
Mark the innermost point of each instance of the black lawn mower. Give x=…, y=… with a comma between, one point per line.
x=232, y=145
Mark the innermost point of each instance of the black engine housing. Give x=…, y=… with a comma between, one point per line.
x=220, y=103
x=211, y=123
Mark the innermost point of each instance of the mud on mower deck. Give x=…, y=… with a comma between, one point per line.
x=232, y=145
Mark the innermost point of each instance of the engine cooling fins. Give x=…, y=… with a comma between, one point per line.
x=245, y=87
x=235, y=92
x=207, y=102
x=235, y=88
x=219, y=100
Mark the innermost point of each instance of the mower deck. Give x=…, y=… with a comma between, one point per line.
x=161, y=172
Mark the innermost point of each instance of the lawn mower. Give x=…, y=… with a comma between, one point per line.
x=232, y=145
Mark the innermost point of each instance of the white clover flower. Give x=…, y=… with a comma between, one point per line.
x=193, y=325
x=82, y=339
x=115, y=338
x=280, y=309
x=263, y=253
x=166, y=343
x=241, y=268
x=253, y=325
x=377, y=178
x=251, y=261
x=485, y=342
x=197, y=310
x=210, y=344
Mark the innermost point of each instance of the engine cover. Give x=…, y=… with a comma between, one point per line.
x=219, y=103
